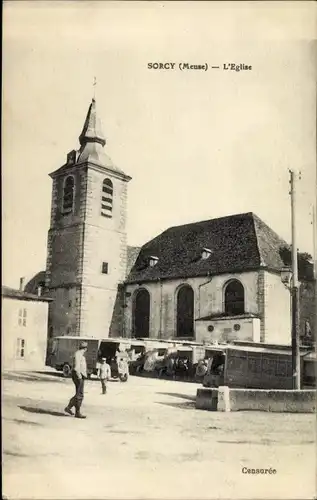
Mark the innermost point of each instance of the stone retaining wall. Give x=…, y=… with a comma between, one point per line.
x=227, y=399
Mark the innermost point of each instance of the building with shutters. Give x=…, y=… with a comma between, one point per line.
x=24, y=329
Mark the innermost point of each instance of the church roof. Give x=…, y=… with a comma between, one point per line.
x=235, y=243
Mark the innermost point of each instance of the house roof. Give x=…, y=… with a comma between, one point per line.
x=22, y=295
x=237, y=242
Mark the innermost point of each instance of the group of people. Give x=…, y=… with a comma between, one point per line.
x=172, y=365
x=79, y=374
x=175, y=366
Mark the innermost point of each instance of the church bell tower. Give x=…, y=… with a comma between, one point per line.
x=87, y=247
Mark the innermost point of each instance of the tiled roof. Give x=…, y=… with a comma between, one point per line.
x=237, y=243
x=22, y=295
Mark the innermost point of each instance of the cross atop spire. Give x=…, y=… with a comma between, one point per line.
x=94, y=85
x=92, y=131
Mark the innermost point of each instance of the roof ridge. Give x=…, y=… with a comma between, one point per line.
x=170, y=228
x=231, y=216
x=256, y=217
x=261, y=259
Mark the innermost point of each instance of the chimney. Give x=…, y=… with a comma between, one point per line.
x=22, y=284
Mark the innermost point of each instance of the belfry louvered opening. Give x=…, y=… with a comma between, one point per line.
x=68, y=195
x=107, y=198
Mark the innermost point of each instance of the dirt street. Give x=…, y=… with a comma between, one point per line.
x=145, y=439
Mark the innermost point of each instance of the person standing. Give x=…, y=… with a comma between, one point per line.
x=79, y=373
x=104, y=373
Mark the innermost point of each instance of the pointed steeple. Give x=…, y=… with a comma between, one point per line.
x=92, y=151
x=92, y=131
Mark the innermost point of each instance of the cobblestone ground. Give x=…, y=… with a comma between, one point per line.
x=144, y=439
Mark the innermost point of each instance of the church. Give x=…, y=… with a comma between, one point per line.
x=211, y=281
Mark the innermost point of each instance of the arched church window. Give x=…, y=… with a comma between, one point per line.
x=141, y=313
x=185, y=312
x=107, y=198
x=68, y=194
x=234, y=298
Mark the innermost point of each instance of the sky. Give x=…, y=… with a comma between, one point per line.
x=197, y=144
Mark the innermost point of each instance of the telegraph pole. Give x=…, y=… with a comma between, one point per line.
x=315, y=268
x=295, y=290
x=314, y=240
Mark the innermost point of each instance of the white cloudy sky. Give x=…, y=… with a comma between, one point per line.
x=198, y=145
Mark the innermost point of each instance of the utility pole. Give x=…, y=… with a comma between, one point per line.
x=314, y=239
x=315, y=269
x=295, y=290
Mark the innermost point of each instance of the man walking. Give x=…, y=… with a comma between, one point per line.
x=79, y=373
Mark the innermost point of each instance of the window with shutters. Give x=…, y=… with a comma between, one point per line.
x=22, y=317
x=107, y=198
x=20, y=351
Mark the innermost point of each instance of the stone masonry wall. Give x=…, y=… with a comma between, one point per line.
x=64, y=257
x=78, y=244
x=208, y=299
x=261, y=303
x=104, y=242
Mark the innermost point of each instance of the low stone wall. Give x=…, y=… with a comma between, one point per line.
x=207, y=399
x=283, y=401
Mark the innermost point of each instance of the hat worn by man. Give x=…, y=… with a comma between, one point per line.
x=83, y=345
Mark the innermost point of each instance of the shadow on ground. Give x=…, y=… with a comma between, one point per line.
x=14, y=454
x=31, y=376
x=51, y=374
x=42, y=411
x=264, y=442
x=26, y=422
x=182, y=406
x=177, y=395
